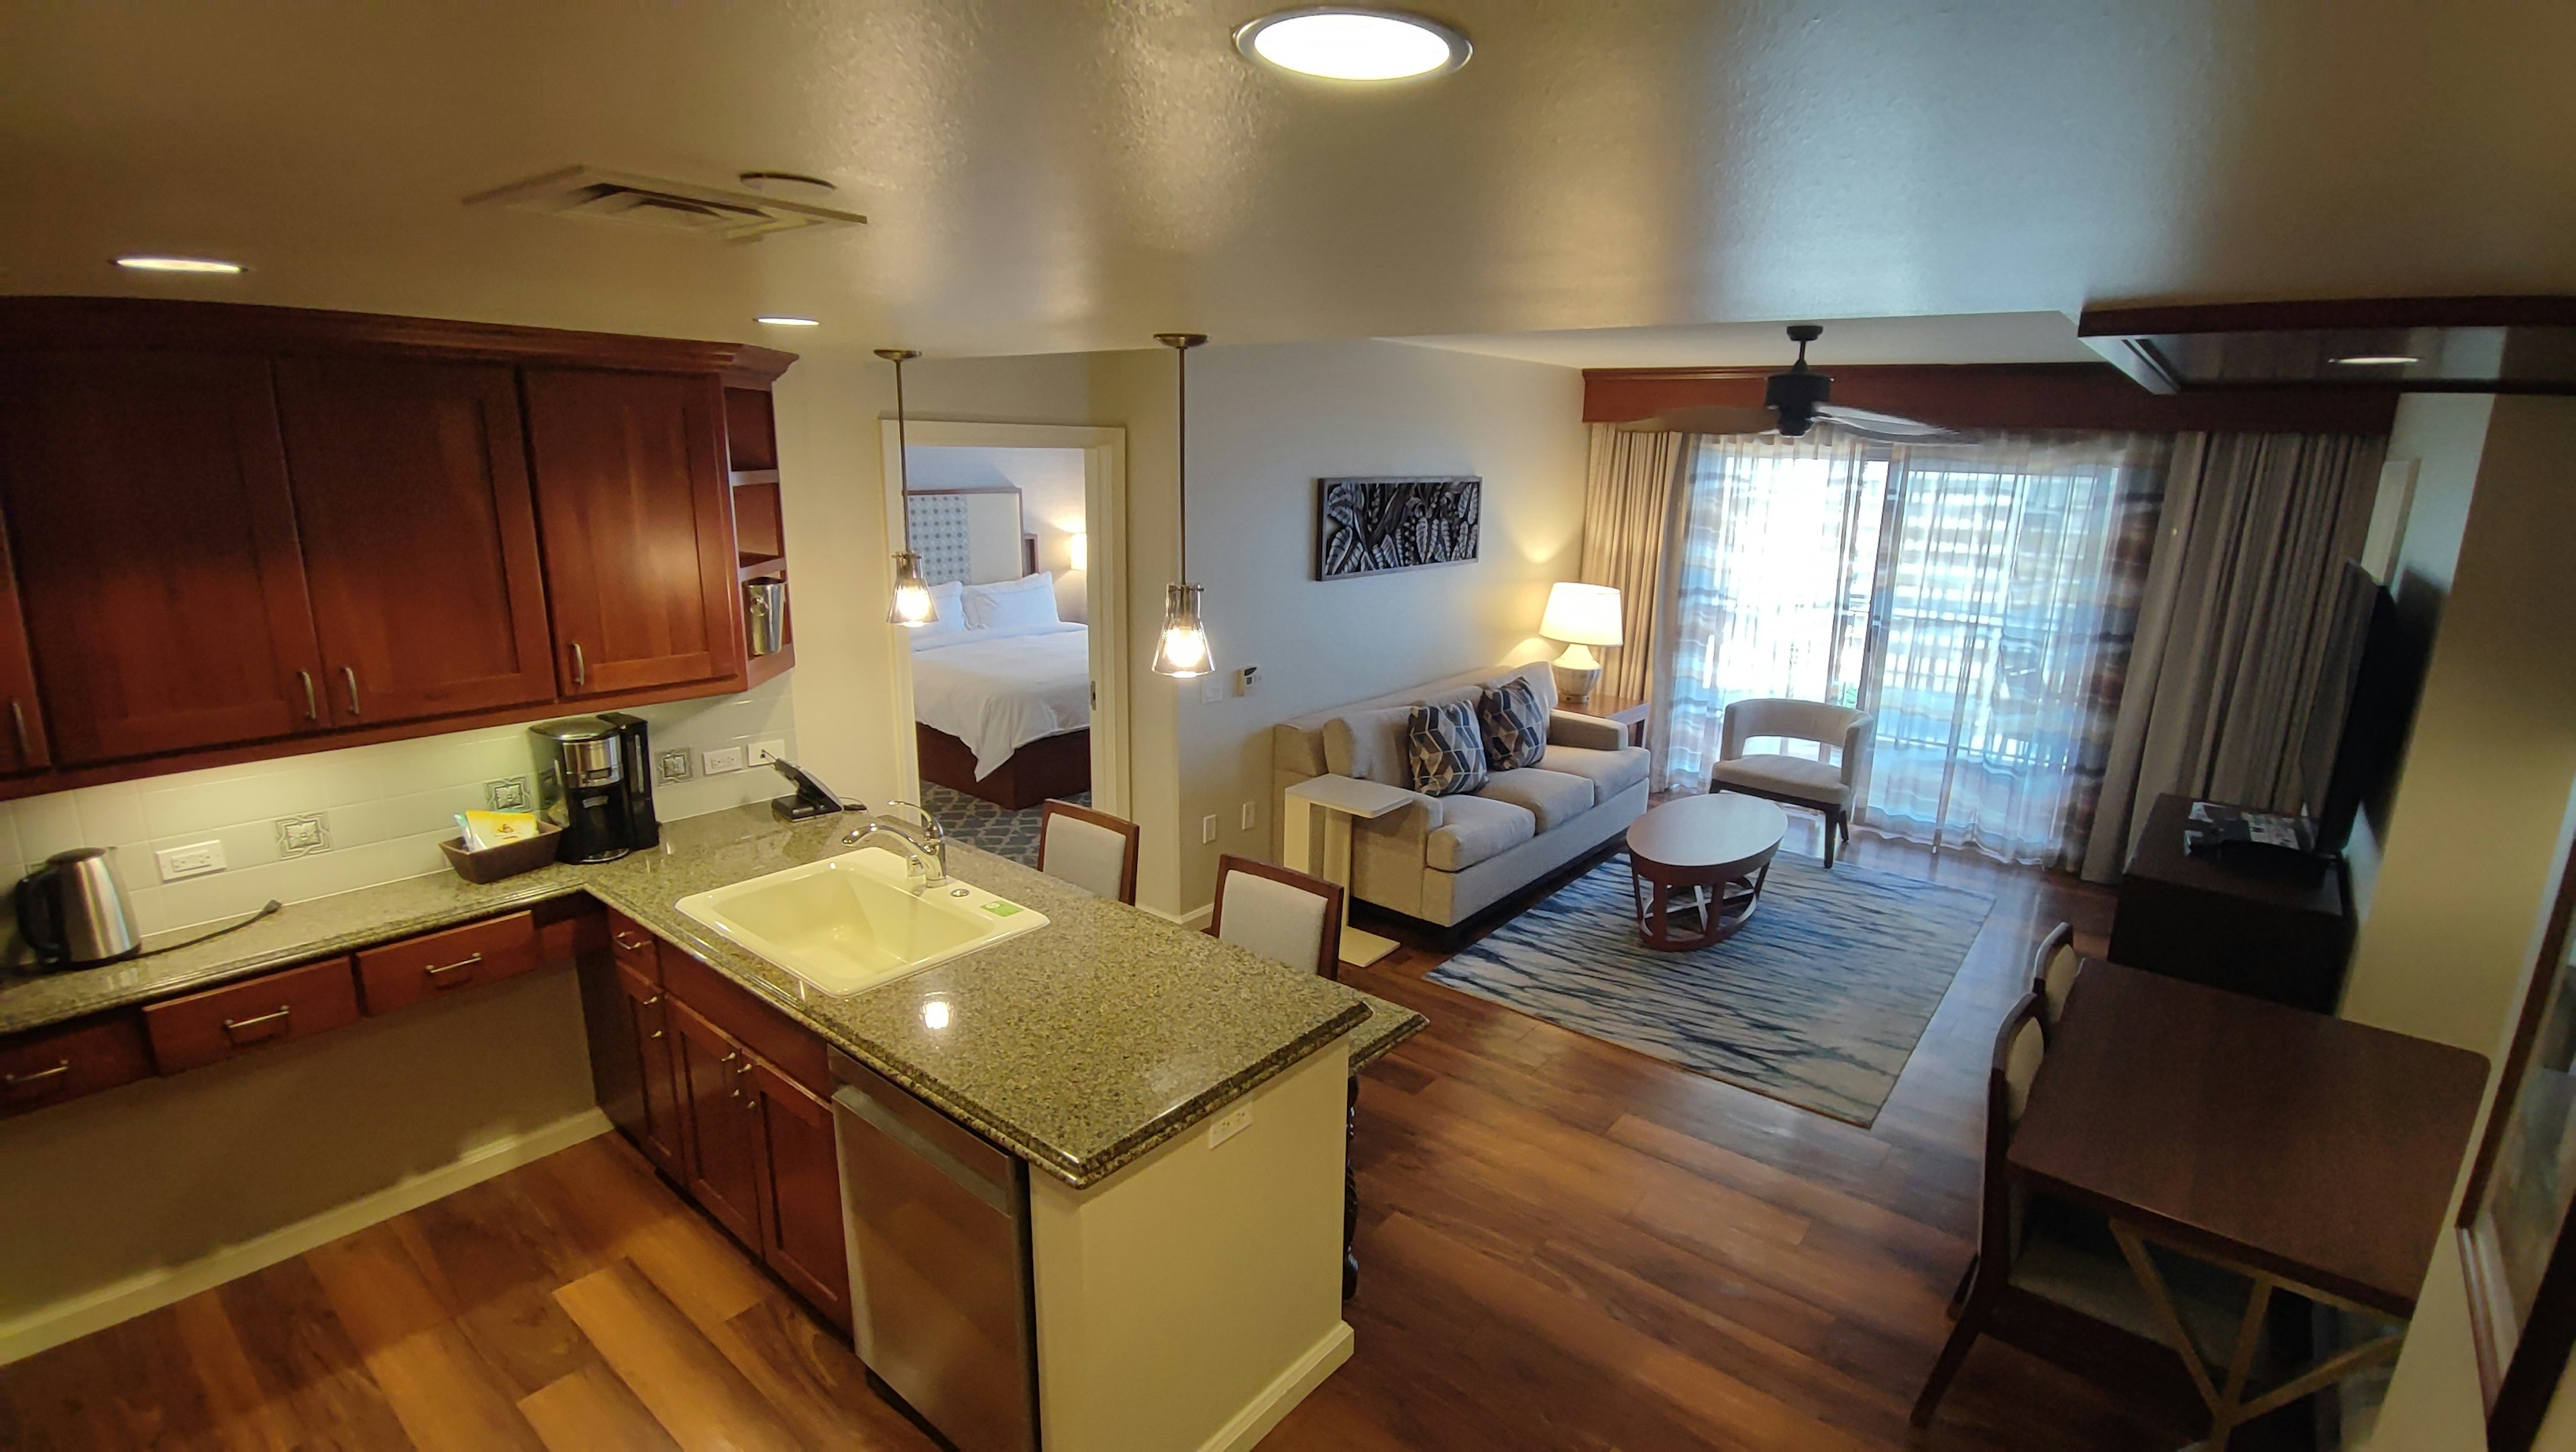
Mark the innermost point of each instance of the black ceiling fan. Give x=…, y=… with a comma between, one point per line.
x=1793, y=403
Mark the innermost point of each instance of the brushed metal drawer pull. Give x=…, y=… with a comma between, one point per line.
x=650, y=1002
x=350, y=674
x=580, y=667
x=234, y=1026
x=655, y=1034
x=15, y=1082
x=629, y=944
x=434, y=974
x=312, y=700
x=18, y=722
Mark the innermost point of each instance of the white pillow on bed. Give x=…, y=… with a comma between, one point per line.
x=1028, y=600
x=948, y=617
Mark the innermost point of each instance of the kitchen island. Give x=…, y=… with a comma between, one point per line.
x=1088, y=1050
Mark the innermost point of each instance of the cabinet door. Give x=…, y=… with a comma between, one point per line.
x=801, y=1234
x=632, y=503
x=420, y=536
x=22, y=723
x=725, y=1160
x=656, y=1114
x=155, y=542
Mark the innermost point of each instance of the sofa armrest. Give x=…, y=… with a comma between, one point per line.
x=1565, y=728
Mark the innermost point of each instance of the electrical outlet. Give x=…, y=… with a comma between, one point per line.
x=765, y=752
x=1207, y=827
x=509, y=794
x=194, y=860
x=1211, y=689
x=1229, y=1125
x=303, y=836
x=1251, y=813
x=675, y=765
x=720, y=761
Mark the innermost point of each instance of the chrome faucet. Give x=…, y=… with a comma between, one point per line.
x=925, y=846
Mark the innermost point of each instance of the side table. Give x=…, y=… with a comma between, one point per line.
x=1339, y=799
x=1627, y=711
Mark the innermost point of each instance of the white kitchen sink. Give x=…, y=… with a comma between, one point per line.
x=849, y=923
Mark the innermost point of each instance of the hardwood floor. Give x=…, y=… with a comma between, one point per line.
x=1563, y=1244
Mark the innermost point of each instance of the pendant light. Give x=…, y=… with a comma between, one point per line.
x=1183, y=650
x=911, y=605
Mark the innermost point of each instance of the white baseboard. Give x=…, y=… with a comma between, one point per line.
x=95, y=1310
x=1281, y=1397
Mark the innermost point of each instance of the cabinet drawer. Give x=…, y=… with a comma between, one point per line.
x=402, y=974
x=767, y=1031
x=49, y=1065
x=221, y=1023
x=634, y=946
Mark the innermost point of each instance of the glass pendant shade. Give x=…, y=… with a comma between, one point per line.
x=912, y=605
x=1183, y=650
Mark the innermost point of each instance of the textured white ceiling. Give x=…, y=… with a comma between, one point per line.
x=1974, y=338
x=1049, y=175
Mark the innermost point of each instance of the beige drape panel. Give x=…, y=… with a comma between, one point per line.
x=1628, y=502
x=2238, y=610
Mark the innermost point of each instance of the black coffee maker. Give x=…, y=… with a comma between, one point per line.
x=595, y=780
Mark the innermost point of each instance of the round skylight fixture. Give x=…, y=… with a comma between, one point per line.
x=2376, y=360
x=1344, y=44
x=149, y=263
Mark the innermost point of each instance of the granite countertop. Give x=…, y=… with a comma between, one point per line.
x=1078, y=1047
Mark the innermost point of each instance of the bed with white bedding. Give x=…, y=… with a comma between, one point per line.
x=1003, y=709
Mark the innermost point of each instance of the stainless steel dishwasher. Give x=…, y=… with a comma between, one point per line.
x=938, y=1225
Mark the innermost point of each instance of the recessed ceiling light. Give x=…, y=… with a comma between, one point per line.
x=178, y=264
x=781, y=320
x=2376, y=360
x=1353, y=45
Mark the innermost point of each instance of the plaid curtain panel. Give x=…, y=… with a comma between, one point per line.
x=1514, y=723
x=1444, y=752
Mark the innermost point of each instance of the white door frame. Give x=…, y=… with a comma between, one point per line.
x=1104, y=509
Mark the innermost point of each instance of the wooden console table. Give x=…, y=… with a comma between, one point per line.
x=2210, y=920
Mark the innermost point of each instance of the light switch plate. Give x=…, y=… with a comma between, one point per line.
x=1207, y=827
x=675, y=765
x=1211, y=689
x=1251, y=811
x=197, y=859
x=302, y=836
x=765, y=752
x=1229, y=1125
x=509, y=794
x=721, y=760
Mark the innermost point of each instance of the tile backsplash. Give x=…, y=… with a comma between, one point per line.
x=384, y=808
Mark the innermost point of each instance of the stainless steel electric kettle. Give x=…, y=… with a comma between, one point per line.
x=72, y=911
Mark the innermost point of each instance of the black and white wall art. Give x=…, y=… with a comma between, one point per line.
x=1371, y=526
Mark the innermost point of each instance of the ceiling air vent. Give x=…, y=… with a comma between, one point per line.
x=664, y=206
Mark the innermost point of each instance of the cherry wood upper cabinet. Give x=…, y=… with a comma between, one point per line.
x=156, y=549
x=420, y=535
x=22, y=723
x=633, y=507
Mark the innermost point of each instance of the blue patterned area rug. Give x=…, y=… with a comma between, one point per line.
x=1818, y=1002
x=979, y=823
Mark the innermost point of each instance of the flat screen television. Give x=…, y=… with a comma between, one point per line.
x=2362, y=708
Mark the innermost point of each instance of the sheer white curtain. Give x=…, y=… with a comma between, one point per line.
x=1778, y=540
x=2007, y=596
x=1979, y=598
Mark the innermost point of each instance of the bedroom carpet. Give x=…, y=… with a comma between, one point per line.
x=978, y=823
x=1818, y=1002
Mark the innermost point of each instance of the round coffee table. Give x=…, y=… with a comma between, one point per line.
x=1715, y=850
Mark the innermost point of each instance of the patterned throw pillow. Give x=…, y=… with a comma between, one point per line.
x=1443, y=749
x=1514, y=723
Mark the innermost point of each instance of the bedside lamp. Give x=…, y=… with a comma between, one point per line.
x=1581, y=616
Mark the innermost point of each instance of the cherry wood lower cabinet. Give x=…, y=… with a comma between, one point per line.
x=240, y=1018
x=49, y=1065
x=717, y=1089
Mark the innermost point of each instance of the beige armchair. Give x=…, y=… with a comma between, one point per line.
x=1796, y=781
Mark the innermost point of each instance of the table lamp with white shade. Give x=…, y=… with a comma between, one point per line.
x=1581, y=616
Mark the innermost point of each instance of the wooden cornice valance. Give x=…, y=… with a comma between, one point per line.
x=1998, y=396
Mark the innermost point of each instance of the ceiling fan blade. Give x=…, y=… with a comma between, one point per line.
x=1709, y=419
x=1888, y=426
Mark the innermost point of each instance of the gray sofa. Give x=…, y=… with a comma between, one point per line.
x=1445, y=859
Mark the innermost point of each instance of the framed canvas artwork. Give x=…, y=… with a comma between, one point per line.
x=1371, y=526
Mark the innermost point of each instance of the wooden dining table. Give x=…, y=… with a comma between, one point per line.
x=2311, y=1153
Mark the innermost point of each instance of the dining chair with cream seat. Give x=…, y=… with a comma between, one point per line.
x=2052, y=1279
x=1092, y=850
x=1279, y=913
x=1829, y=788
x=2052, y=973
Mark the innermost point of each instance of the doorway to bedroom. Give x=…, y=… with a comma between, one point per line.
x=1015, y=689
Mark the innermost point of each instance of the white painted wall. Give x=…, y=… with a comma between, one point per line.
x=1051, y=503
x=387, y=806
x=2477, y=828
